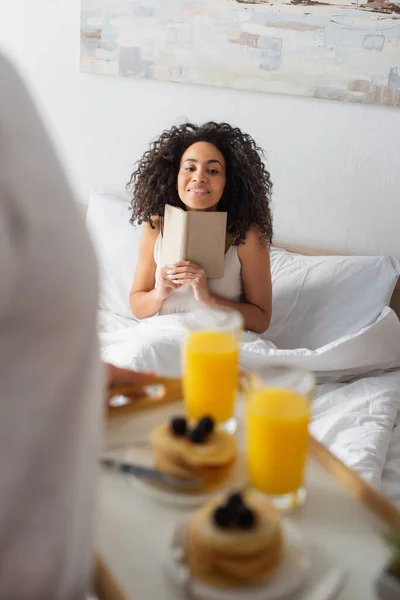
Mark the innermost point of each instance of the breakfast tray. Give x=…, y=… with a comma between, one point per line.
x=135, y=419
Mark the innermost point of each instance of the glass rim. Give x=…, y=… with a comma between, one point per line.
x=224, y=319
x=252, y=379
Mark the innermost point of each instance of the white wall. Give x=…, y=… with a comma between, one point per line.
x=336, y=166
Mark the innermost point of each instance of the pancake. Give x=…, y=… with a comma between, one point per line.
x=234, y=556
x=211, y=460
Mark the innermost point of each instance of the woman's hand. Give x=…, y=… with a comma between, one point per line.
x=164, y=285
x=187, y=273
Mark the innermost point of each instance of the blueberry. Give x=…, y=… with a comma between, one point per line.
x=179, y=426
x=222, y=517
x=206, y=424
x=196, y=436
x=235, y=501
x=245, y=517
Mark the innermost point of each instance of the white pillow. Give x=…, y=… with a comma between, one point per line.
x=116, y=243
x=318, y=299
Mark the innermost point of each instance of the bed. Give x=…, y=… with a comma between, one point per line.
x=334, y=314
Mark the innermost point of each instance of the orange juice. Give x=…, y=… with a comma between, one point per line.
x=276, y=439
x=210, y=378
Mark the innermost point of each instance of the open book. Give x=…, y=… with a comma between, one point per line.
x=195, y=236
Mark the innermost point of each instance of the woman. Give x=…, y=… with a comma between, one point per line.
x=212, y=167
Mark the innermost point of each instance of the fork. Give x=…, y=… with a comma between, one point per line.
x=329, y=586
x=178, y=554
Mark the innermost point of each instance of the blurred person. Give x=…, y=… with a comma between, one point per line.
x=52, y=380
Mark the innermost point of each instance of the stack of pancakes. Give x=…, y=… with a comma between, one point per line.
x=210, y=461
x=232, y=556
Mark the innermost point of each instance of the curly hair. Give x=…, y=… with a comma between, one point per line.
x=247, y=192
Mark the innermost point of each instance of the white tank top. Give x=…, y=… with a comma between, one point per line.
x=229, y=286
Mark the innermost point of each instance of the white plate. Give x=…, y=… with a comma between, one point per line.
x=290, y=577
x=143, y=455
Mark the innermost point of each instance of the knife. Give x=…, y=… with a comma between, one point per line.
x=152, y=475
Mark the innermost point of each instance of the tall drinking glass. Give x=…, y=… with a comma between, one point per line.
x=211, y=365
x=277, y=414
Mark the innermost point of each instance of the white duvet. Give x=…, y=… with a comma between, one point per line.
x=357, y=409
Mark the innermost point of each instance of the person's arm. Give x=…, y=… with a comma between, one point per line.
x=117, y=378
x=257, y=287
x=145, y=299
x=256, y=278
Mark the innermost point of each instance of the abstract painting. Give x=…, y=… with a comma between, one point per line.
x=345, y=50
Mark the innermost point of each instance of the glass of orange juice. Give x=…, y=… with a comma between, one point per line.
x=211, y=365
x=277, y=414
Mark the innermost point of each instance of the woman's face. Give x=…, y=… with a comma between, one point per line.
x=201, y=177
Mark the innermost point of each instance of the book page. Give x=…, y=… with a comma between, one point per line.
x=174, y=235
x=206, y=233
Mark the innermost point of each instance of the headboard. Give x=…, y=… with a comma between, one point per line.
x=395, y=301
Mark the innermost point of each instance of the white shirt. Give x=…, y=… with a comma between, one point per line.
x=50, y=375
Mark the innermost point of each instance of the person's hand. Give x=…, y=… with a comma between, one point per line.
x=187, y=273
x=120, y=378
x=164, y=285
